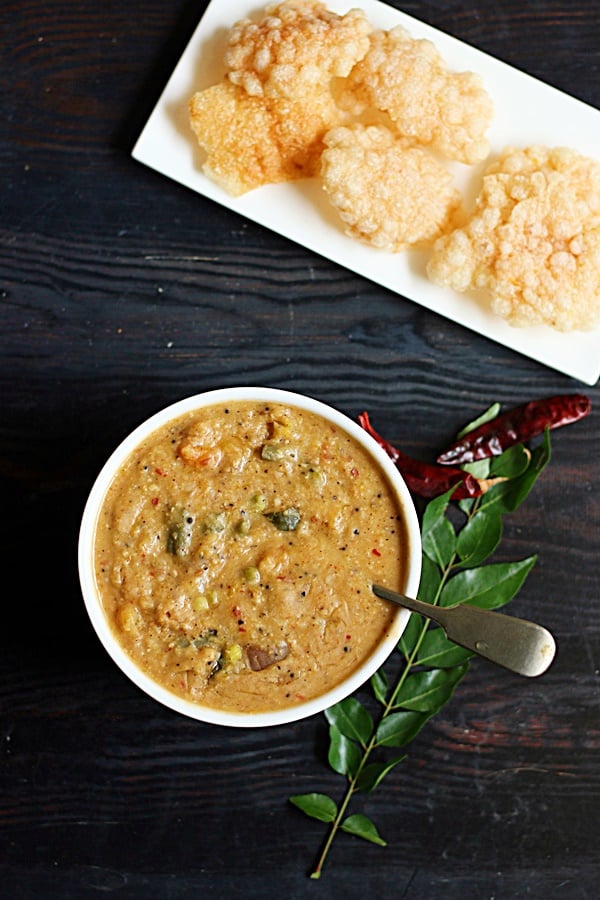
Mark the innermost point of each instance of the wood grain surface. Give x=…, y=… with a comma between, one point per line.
x=121, y=292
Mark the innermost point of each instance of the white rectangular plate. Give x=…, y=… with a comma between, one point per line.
x=527, y=111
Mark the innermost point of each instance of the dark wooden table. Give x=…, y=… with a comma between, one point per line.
x=120, y=292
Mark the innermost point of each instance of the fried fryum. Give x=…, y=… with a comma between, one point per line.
x=265, y=123
x=225, y=119
x=248, y=144
x=299, y=45
x=387, y=192
x=308, y=92
x=532, y=240
x=408, y=79
x=301, y=70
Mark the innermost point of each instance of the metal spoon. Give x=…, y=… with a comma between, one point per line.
x=518, y=645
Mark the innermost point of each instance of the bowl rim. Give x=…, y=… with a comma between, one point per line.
x=93, y=601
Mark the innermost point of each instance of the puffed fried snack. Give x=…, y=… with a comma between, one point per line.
x=297, y=45
x=266, y=122
x=407, y=78
x=388, y=193
x=532, y=240
x=240, y=136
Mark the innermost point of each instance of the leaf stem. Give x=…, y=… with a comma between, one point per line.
x=336, y=824
x=371, y=745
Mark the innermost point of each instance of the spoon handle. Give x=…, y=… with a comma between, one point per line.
x=518, y=645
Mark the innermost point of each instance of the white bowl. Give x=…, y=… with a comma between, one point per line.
x=93, y=599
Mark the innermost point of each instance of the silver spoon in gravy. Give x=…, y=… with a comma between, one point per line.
x=516, y=644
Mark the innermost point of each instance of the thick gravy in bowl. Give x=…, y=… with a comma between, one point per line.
x=233, y=548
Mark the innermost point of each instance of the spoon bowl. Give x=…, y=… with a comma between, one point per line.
x=518, y=645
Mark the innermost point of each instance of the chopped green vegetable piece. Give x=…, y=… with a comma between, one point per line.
x=202, y=602
x=215, y=522
x=206, y=639
x=272, y=452
x=243, y=526
x=251, y=575
x=284, y=520
x=315, y=475
x=258, y=502
x=232, y=654
x=180, y=533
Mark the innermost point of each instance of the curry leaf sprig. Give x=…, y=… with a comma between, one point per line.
x=457, y=539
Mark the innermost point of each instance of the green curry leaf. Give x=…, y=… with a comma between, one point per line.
x=344, y=755
x=436, y=650
x=361, y=826
x=517, y=490
x=480, y=468
x=399, y=728
x=440, y=543
x=435, y=512
x=479, y=538
x=380, y=685
x=488, y=586
x=490, y=413
x=317, y=806
x=351, y=719
x=411, y=634
x=507, y=496
x=510, y=464
x=374, y=773
x=431, y=581
x=427, y=691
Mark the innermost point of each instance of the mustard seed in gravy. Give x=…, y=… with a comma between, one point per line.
x=235, y=553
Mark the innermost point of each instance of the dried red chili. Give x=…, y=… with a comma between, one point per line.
x=516, y=426
x=426, y=479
